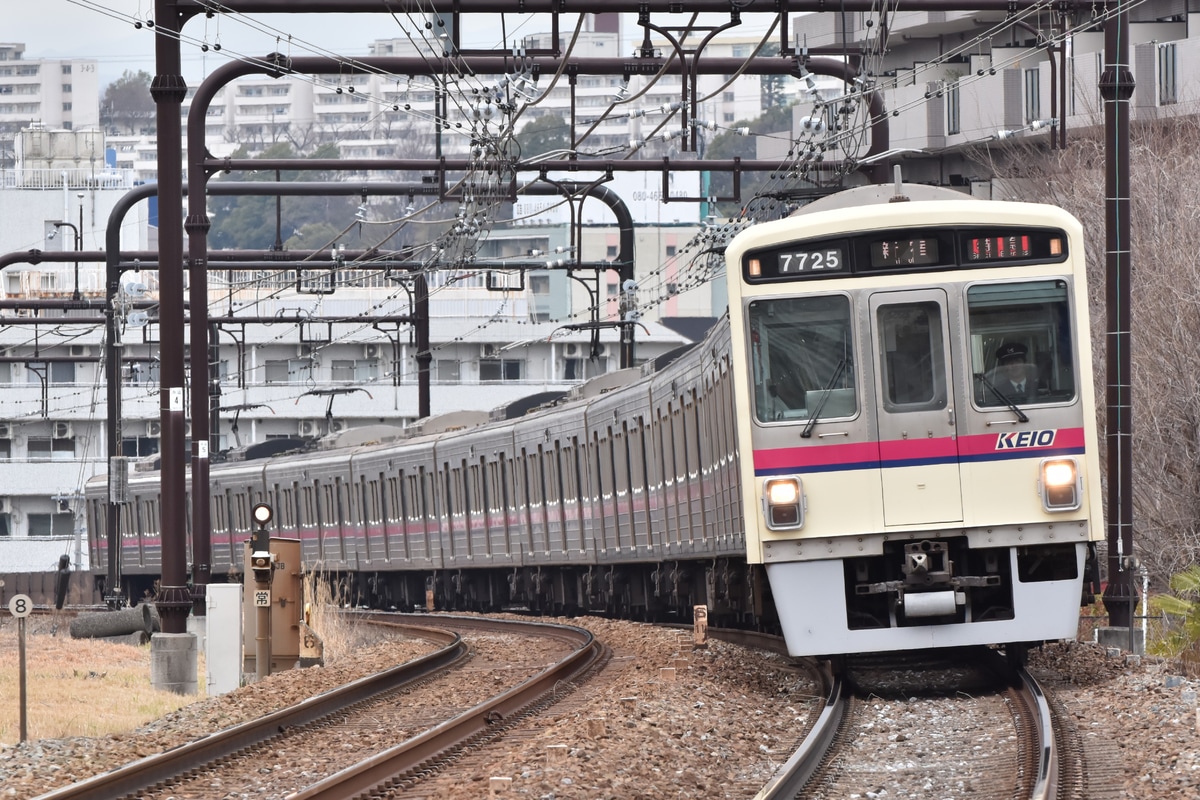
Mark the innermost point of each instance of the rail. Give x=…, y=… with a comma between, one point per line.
x=147, y=772
x=427, y=751
x=796, y=772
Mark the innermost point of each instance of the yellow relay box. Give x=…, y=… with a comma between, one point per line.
x=285, y=597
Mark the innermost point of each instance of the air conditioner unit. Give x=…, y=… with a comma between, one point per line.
x=603, y=352
x=572, y=350
x=305, y=351
x=5, y=430
x=80, y=351
x=309, y=428
x=337, y=425
x=154, y=429
x=488, y=351
x=64, y=505
x=62, y=430
x=370, y=351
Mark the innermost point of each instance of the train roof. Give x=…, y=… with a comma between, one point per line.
x=665, y=360
x=602, y=384
x=362, y=436
x=442, y=423
x=879, y=193
x=525, y=405
x=269, y=448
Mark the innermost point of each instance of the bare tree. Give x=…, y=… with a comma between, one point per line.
x=1165, y=312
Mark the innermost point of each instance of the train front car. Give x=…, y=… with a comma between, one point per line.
x=916, y=420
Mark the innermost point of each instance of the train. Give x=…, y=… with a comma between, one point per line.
x=888, y=443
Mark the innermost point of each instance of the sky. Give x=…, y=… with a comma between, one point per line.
x=105, y=30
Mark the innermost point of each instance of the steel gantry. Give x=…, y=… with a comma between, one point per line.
x=169, y=89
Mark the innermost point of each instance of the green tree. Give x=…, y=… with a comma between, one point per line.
x=303, y=222
x=261, y=223
x=545, y=134
x=127, y=106
x=730, y=144
x=1184, y=630
x=772, y=86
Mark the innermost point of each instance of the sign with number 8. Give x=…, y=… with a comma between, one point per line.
x=20, y=605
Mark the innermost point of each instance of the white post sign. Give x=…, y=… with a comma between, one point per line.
x=20, y=606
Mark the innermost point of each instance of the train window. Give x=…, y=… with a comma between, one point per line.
x=307, y=511
x=802, y=348
x=287, y=508
x=1022, y=350
x=912, y=355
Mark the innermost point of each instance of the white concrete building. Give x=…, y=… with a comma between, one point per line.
x=53, y=93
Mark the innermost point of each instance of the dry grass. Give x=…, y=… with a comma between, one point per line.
x=90, y=687
x=77, y=687
x=325, y=596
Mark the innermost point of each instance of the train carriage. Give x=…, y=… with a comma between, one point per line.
x=619, y=526
x=891, y=476
x=888, y=444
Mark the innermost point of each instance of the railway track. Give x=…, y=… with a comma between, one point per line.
x=943, y=720
x=282, y=744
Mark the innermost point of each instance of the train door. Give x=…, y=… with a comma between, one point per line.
x=918, y=442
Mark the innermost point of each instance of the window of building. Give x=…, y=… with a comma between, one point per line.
x=292, y=370
x=60, y=372
x=539, y=284
x=493, y=370
x=670, y=251
x=5, y=448
x=1167, y=74
x=66, y=69
x=45, y=448
x=953, y=110
x=611, y=252
x=356, y=371
x=139, y=373
x=6, y=372
x=577, y=369
x=66, y=88
x=139, y=446
x=5, y=524
x=1033, y=95
x=728, y=97
x=446, y=370
x=51, y=524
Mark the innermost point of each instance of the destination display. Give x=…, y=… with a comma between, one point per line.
x=917, y=252
x=904, y=250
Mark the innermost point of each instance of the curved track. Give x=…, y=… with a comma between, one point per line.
x=213, y=755
x=823, y=765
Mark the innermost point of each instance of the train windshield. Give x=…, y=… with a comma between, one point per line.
x=1021, y=346
x=802, y=356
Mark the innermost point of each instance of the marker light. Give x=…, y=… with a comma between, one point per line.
x=783, y=503
x=262, y=514
x=1060, y=485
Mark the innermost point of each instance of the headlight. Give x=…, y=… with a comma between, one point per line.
x=783, y=503
x=1060, y=485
